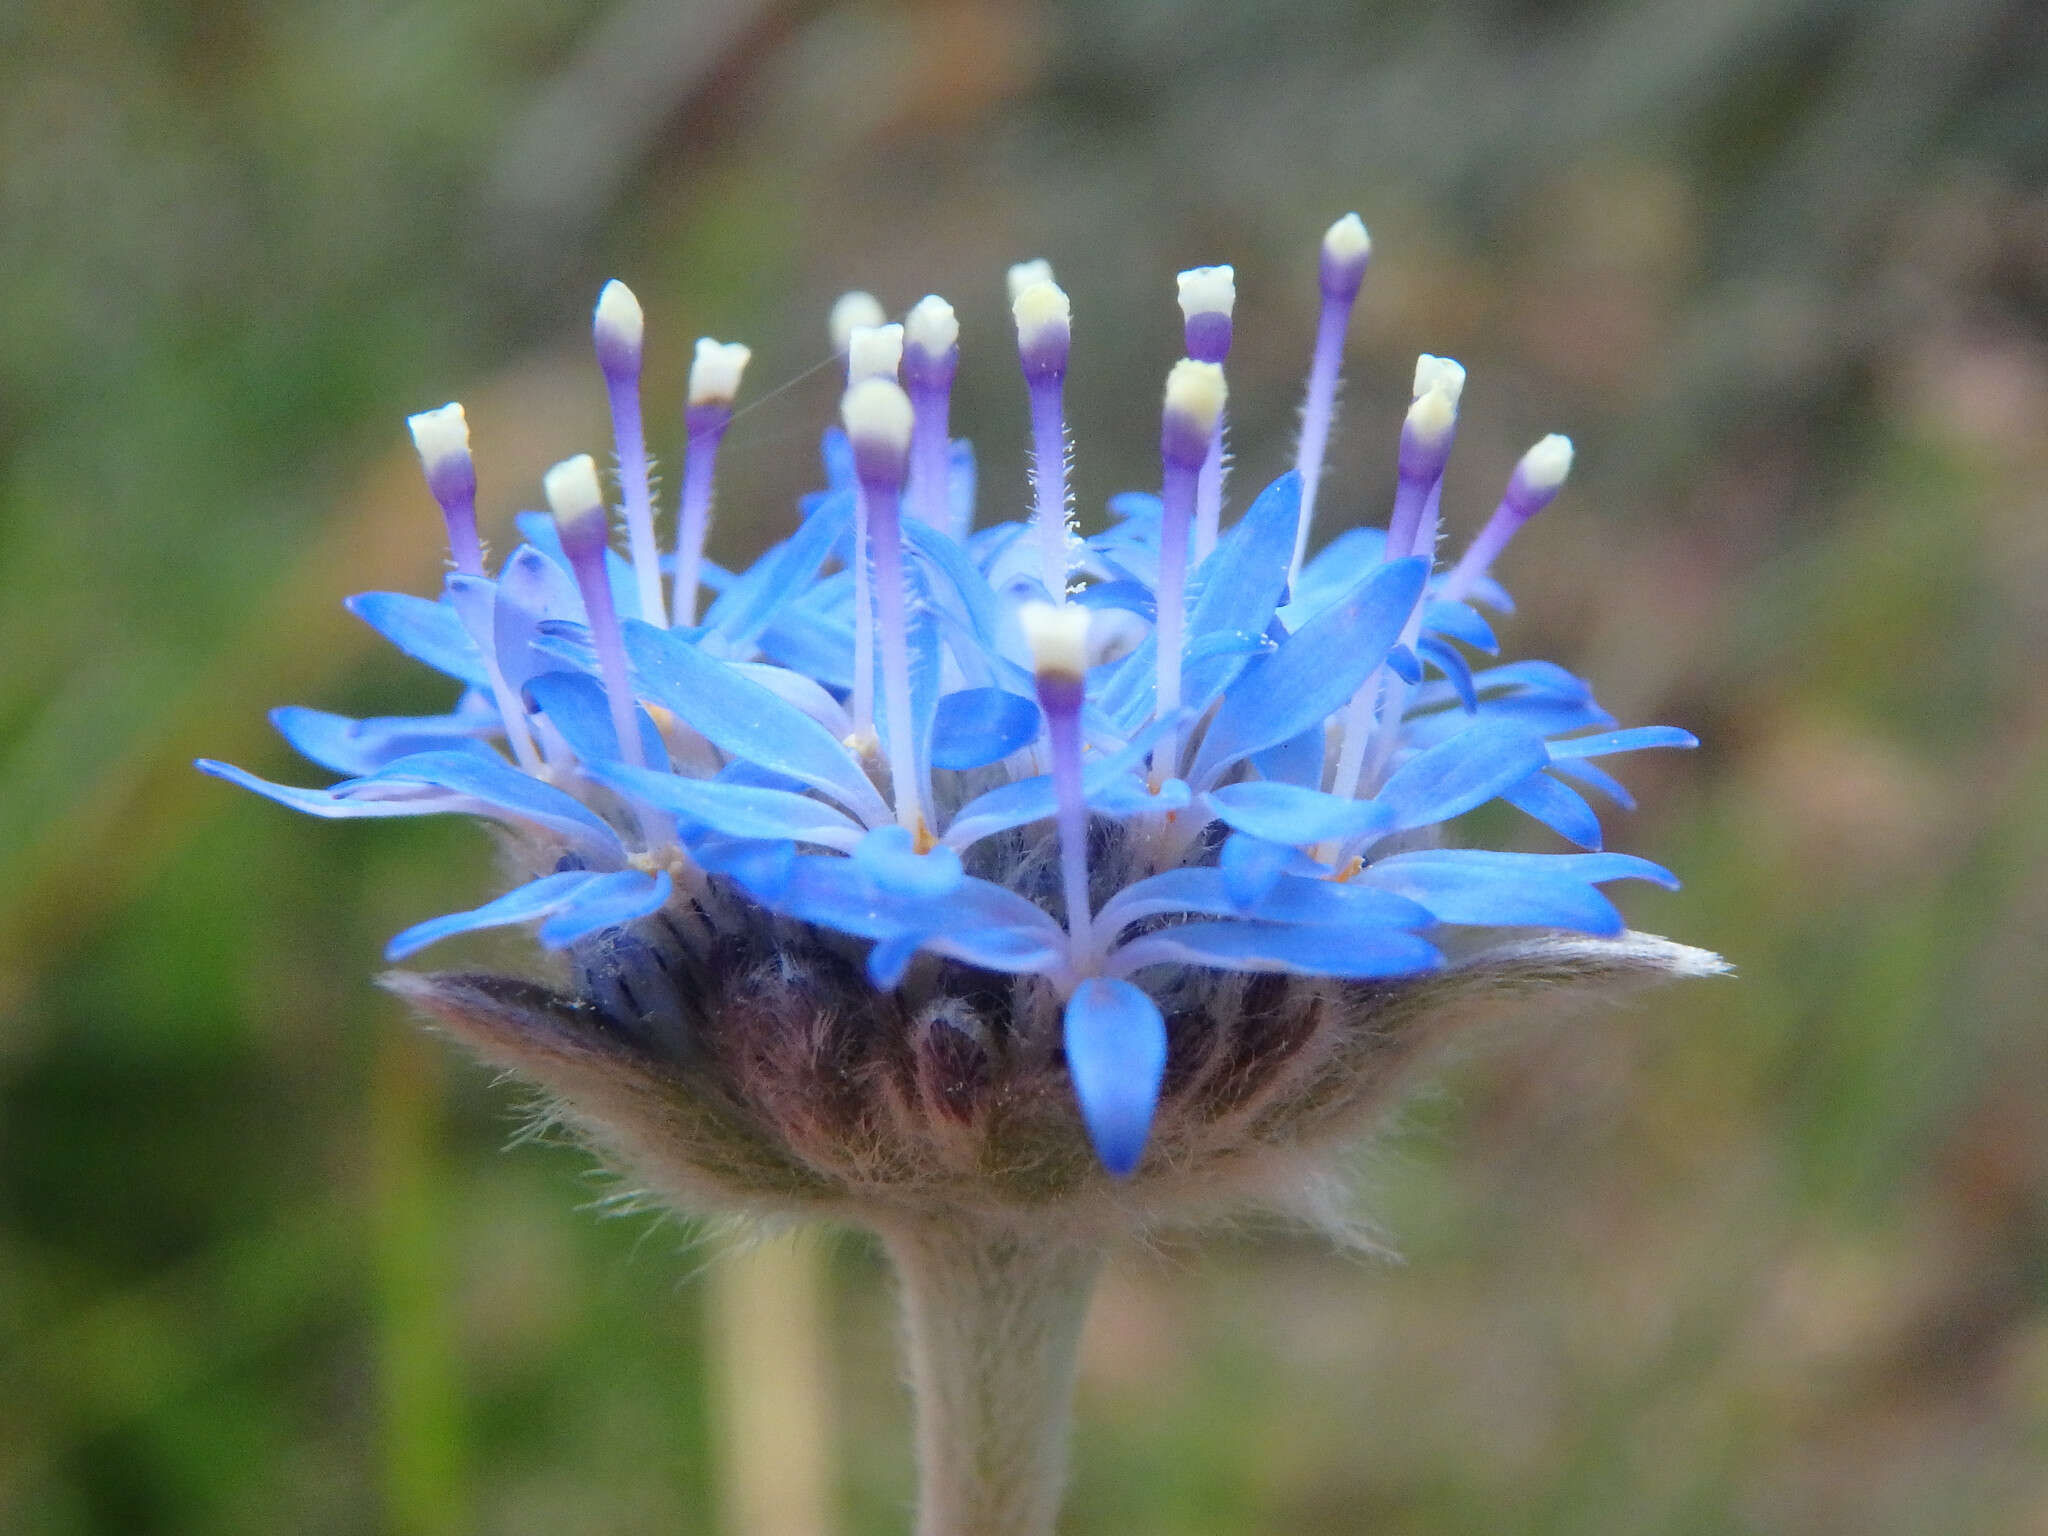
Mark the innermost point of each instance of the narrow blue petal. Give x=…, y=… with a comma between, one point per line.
x=978, y=922
x=490, y=787
x=888, y=857
x=1633, y=740
x=737, y=810
x=1452, y=777
x=1315, y=670
x=1115, y=1041
x=1595, y=778
x=1104, y=781
x=363, y=746
x=956, y=581
x=745, y=720
x=1461, y=622
x=1235, y=590
x=1251, y=867
x=606, y=902
x=324, y=803
x=536, y=898
x=1558, y=807
x=1452, y=665
x=1304, y=951
x=890, y=958
x=426, y=631
x=978, y=726
x=1129, y=595
x=532, y=590
x=746, y=607
x=575, y=705
x=1403, y=663
x=1291, y=899
x=1335, y=569
x=1534, y=890
x=836, y=454
x=1291, y=814
x=762, y=867
x=1133, y=795
x=1298, y=760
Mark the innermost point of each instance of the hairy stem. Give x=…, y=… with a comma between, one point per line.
x=993, y=1319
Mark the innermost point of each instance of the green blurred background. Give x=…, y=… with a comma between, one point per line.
x=1762, y=1256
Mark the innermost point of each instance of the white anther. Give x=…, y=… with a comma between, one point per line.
x=440, y=435
x=1196, y=391
x=1208, y=291
x=1058, y=638
x=932, y=326
x=1545, y=466
x=715, y=371
x=1439, y=373
x=877, y=411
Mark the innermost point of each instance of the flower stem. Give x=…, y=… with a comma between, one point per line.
x=993, y=1323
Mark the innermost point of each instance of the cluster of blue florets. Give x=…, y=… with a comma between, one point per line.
x=888, y=694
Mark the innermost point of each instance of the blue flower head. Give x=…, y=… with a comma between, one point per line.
x=991, y=866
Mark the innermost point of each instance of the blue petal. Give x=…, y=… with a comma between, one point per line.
x=1115, y=1040
x=762, y=867
x=363, y=746
x=746, y=607
x=324, y=803
x=1453, y=666
x=1132, y=795
x=1251, y=866
x=1023, y=801
x=575, y=705
x=1452, y=777
x=488, y=786
x=1634, y=740
x=1291, y=899
x=737, y=810
x=1315, y=671
x=1360, y=952
x=1336, y=568
x=888, y=857
x=745, y=720
x=1595, y=778
x=1559, y=808
x=606, y=902
x=979, y=726
x=1298, y=760
x=1403, y=663
x=1130, y=596
x=1291, y=814
x=1513, y=890
x=1235, y=590
x=532, y=589
x=426, y=631
x=536, y=898
x=1461, y=622
x=978, y=923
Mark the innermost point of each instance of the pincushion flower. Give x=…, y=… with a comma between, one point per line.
x=996, y=888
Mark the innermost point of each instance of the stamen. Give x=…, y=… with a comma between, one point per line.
x=714, y=383
x=850, y=311
x=1207, y=297
x=1426, y=438
x=617, y=329
x=1044, y=336
x=1058, y=637
x=1195, y=393
x=1347, y=250
x=931, y=357
x=442, y=439
x=872, y=351
x=577, y=501
x=878, y=420
x=1532, y=487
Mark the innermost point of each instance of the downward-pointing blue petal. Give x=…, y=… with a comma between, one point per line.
x=1116, y=1051
x=522, y=904
x=426, y=631
x=606, y=902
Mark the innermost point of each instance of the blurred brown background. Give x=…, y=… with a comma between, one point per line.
x=1767, y=1256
